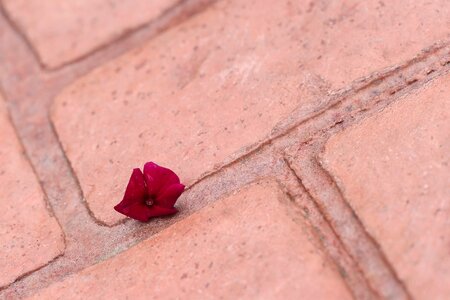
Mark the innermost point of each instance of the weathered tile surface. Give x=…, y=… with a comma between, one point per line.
x=250, y=245
x=29, y=236
x=62, y=31
x=222, y=80
x=393, y=169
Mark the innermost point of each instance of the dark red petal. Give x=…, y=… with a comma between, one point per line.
x=158, y=178
x=138, y=211
x=169, y=196
x=142, y=212
x=135, y=191
x=159, y=211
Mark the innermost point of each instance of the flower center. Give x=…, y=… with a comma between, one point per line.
x=149, y=200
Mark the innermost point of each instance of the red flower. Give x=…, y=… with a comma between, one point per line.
x=151, y=194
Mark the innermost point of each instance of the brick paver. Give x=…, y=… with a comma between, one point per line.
x=62, y=31
x=29, y=236
x=394, y=170
x=343, y=104
x=220, y=82
x=248, y=246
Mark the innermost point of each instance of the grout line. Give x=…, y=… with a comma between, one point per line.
x=178, y=12
x=364, y=84
x=45, y=199
x=376, y=103
x=16, y=28
x=336, y=100
x=77, y=182
x=371, y=240
x=27, y=158
x=393, y=91
x=29, y=272
x=171, y=16
x=320, y=209
x=351, y=243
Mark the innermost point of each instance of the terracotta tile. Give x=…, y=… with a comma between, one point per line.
x=62, y=31
x=206, y=91
x=393, y=168
x=251, y=245
x=29, y=236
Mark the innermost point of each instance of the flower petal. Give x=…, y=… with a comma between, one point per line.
x=135, y=191
x=138, y=211
x=158, y=178
x=159, y=211
x=142, y=212
x=169, y=196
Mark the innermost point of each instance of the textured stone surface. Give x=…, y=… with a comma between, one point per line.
x=222, y=80
x=393, y=168
x=62, y=31
x=29, y=236
x=248, y=246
